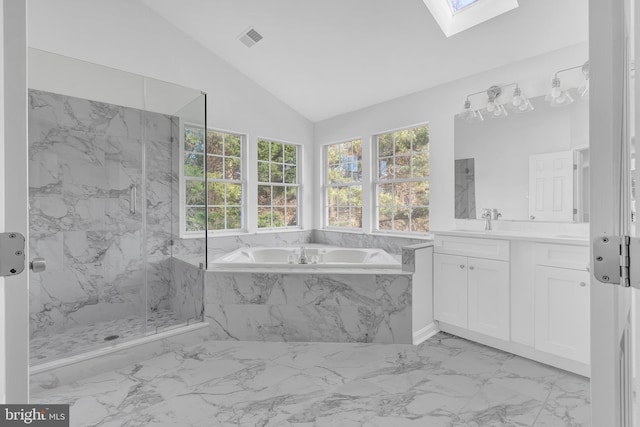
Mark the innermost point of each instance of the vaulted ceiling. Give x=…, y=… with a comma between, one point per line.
x=329, y=57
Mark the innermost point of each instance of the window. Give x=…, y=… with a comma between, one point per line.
x=343, y=176
x=225, y=180
x=457, y=5
x=402, y=183
x=277, y=184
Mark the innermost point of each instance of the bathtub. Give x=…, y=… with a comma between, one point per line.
x=317, y=256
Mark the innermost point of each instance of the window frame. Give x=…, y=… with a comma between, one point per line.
x=376, y=182
x=184, y=233
x=298, y=184
x=326, y=185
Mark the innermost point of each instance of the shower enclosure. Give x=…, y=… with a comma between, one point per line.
x=105, y=149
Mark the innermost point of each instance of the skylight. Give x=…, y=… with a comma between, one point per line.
x=454, y=16
x=458, y=5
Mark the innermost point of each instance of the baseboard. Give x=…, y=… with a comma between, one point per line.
x=425, y=333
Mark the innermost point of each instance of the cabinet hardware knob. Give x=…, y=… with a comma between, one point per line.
x=471, y=268
x=461, y=265
x=582, y=284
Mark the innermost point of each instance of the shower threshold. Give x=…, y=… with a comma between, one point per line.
x=80, y=339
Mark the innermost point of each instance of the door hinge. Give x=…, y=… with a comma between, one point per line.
x=616, y=260
x=12, y=257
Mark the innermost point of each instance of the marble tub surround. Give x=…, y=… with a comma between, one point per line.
x=309, y=306
x=83, y=158
x=446, y=381
x=391, y=244
x=409, y=255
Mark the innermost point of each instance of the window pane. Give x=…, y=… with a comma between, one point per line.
x=194, y=193
x=401, y=219
x=216, y=218
x=333, y=216
x=344, y=217
x=385, y=145
x=264, y=195
x=264, y=217
x=385, y=194
x=193, y=164
x=292, y=196
x=385, y=218
x=232, y=145
x=290, y=154
x=421, y=164
x=194, y=140
x=420, y=219
x=332, y=196
x=403, y=142
x=234, y=218
x=343, y=196
x=195, y=219
x=232, y=168
x=385, y=168
x=214, y=167
x=356, y=217
x=216, y=193
x=291, y=216
x=234, y=194
x=276, y=172
x=403, y=167
x=402, y=194
x=263, y=150
x=263, y=172
x=278, y=217
x=333, y=154
x=214, y=143
x=276, y=152
x=278, y=196
x=290, y=174
x=420, y=193
x=421, y=139
x=356, y=195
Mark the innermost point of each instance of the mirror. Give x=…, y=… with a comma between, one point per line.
x=531, y=166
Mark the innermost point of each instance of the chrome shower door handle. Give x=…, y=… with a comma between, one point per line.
x=132, y=199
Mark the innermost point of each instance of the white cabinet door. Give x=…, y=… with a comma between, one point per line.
x=488, y=287
x=450, y=289
x=562, y=312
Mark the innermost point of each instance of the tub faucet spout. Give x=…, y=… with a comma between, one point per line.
x=303, y=255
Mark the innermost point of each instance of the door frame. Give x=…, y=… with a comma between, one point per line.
x=607, y=41
x=14, y=200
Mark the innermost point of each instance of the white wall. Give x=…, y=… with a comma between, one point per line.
x=438, y=106
x=129, y=36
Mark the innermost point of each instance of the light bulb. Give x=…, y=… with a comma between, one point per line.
x=560, y=98
x=517, y=101
x=491, y=106
x=525, y=106
x=556, y=92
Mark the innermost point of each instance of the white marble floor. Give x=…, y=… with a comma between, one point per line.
x=446, y=381
x=47, y=347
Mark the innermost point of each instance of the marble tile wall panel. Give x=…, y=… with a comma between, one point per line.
x=187, y=291
x=309, y=307
x=84, y=155
x=391, y=244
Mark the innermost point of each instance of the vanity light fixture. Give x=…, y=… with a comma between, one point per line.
x=558, y=97
x=494, y=108
x=519, y=102
x=471, y=115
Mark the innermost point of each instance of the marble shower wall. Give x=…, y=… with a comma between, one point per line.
x=83, y=158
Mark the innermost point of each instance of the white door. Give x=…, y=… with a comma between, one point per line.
x=488, y=290
x=562, y=312
x=551, y=186
x=450, y=289
x=611, y=129
x=14, y=207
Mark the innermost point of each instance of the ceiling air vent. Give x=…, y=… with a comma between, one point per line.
x=250, y=37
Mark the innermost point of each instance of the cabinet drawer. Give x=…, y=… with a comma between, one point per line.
x=468, y=246
x=563, y=256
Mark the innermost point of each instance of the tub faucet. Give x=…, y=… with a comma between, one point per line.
x=486, y=214
x=303, y=256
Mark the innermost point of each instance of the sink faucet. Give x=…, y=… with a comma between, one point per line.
x=303, y=255
x=486, y=214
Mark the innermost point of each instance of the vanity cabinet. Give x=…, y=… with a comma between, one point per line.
x=562, y=301
x=469, y=291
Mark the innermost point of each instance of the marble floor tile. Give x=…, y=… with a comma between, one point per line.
x=446, y=381
x=52, y=346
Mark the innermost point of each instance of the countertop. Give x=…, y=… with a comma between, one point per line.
x=568, y=239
